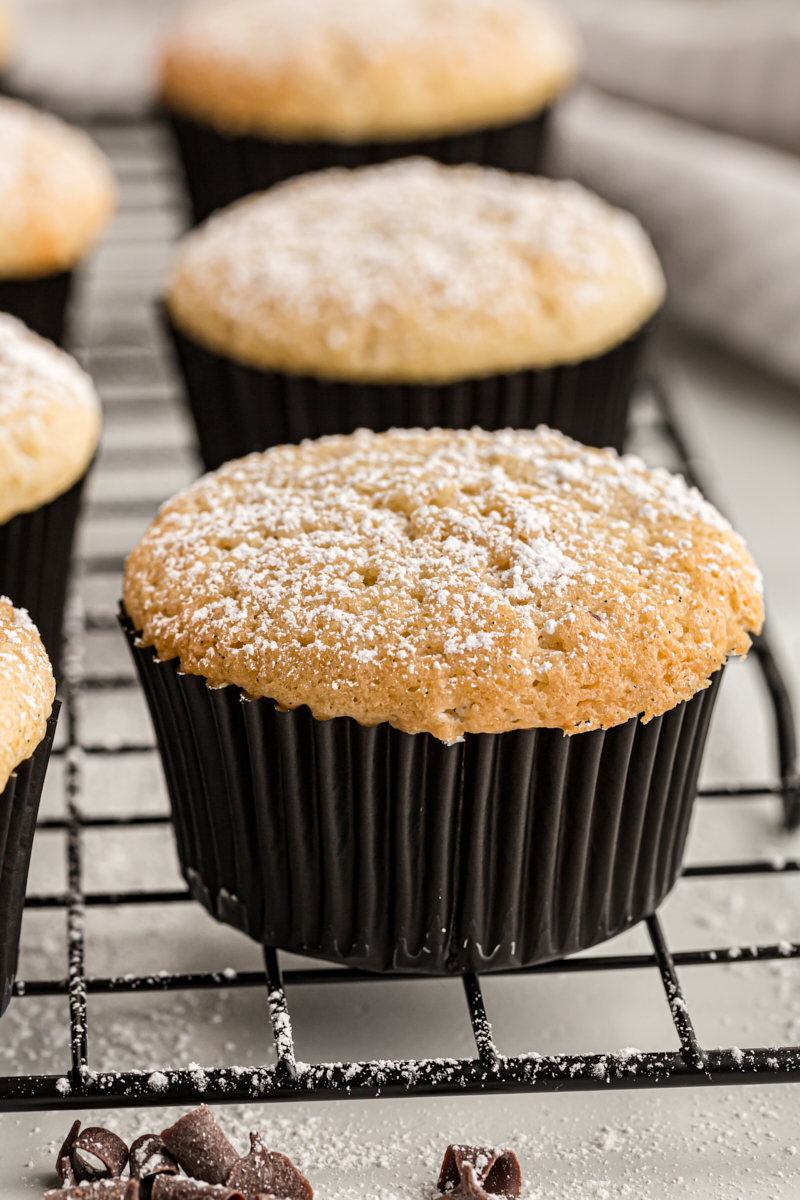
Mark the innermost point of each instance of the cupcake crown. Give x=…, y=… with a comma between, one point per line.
x=415, y=272
x=57, y=193
x=381, y=69
x=49, y=419
x=27, y=688
x=448, y=582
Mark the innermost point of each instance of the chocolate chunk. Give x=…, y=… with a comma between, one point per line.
x=480, y=1171
x=65, y=1173
x=102, y=1144
x=265, y=1172
x=149, y=1156
x=200, y=1146
x=101, y=1189
x=167, y=1187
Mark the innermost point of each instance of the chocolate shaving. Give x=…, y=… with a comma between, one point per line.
x=103, y=1145
x=480, y=1171
x=101, y=1189
x=265, y=1172
x=167, y=1187
x=65, y=1172
x=149, y=1156
x=200, y=1146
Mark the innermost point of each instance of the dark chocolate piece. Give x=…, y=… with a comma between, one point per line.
x=200, y=1146
x=481, y=1171
x=102, y=1144
x=65, y=1172
x=168, y=1187
x=149, y=1156
x=265, y=1172
x=101, y=1189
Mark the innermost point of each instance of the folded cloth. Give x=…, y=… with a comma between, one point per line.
x=731, y=64
x=724, y=215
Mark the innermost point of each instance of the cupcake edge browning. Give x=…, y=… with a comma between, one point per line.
x=447, y=582
x=49, y=419
x=27, y=688
x=57, y=192
x=413, y=272
x=360, y=71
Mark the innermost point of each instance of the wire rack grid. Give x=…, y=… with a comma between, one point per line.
x=489, y=1070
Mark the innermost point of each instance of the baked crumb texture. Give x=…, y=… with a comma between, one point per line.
x=448, y=582
x=385, y=69
x=57, y=193
x=27, y=688
x=49, y=419
x=414, y=272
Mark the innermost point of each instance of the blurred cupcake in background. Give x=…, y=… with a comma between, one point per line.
x=260, y=90
x=7, y=32
x=49, y=429
x=27, y=725
x=57, y=195
x=411, y=294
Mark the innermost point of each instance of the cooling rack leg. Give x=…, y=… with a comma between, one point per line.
x=785, y=727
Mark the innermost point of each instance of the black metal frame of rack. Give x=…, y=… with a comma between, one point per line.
x=489, y=1071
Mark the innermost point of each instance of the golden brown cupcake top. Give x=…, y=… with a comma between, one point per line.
x=448, y=582
x=57, y=193
x=354, y=70
x=27, y=688
x=415, y=272
x=49, y=419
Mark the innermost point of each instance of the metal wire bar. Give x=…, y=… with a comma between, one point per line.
x=692, y=1053
x=165, y=981
x=482, y=1030
x=279, y=1016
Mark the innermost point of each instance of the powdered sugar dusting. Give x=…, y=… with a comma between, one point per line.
x=354, y=256
x=448, y=581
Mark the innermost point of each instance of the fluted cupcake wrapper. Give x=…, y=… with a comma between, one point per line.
x=35, y=560
x=19, y=806
x=238, y=409
x=219, y=169
x=396, y=853
x=40, y=303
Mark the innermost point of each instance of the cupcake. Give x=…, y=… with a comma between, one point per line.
x=57, y=194
x=27, y=724
x=362, y=654
x=411, y=294
x=260, y=90
x=49, y=428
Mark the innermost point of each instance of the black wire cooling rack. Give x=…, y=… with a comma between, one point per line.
x=489, y=1071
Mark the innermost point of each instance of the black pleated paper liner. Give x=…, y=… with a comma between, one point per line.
x=219, y=169
x=40, y=303
x=393, y=852
x=19, y=806
x=238, y=409
x=35, y=560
